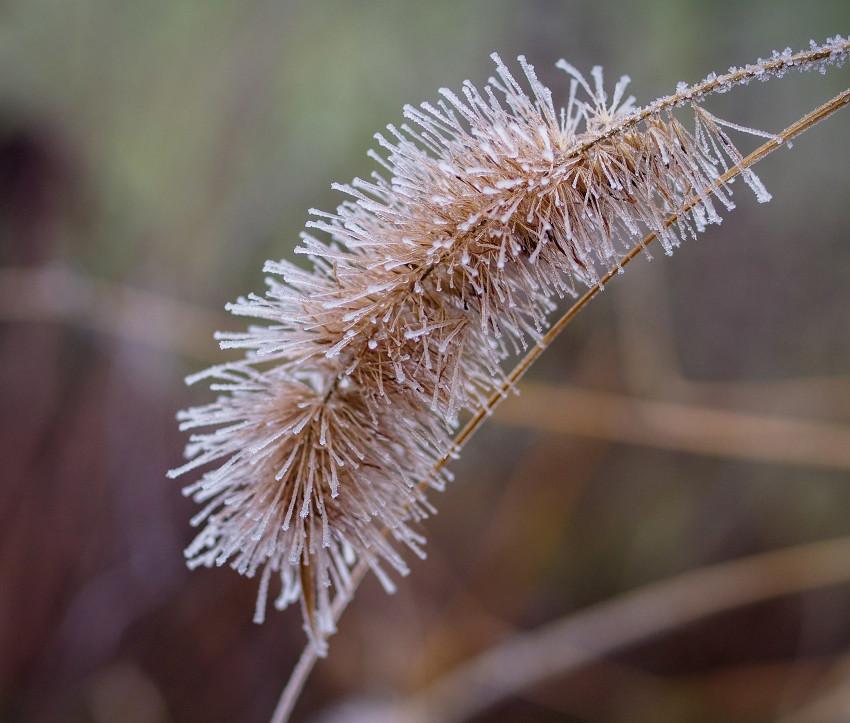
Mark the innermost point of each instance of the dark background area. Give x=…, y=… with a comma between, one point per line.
x=153, y=155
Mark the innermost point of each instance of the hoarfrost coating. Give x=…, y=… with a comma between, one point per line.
x=490, y=206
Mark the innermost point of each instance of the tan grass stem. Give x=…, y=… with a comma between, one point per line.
x=680, y=427
x=559, y=648
x=56, y=294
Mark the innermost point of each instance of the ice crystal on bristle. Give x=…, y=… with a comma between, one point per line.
x=490, y=205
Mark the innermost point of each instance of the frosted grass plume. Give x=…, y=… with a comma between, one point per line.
x=490, y=206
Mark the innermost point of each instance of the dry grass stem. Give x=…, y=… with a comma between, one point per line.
x=560, y=648
x=681, y=427
x=56, y=294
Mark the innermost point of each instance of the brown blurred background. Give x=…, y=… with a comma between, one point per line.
x=153, y=155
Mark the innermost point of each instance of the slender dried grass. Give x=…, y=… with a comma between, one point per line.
x=491, y=207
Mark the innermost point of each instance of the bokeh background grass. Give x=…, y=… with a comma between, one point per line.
x=153, y=155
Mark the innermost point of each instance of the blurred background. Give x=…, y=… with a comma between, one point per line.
x=153, y=155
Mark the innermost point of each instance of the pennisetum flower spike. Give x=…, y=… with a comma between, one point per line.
x=490, y=206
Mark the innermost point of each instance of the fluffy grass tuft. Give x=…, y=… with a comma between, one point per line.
x=489, y=207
